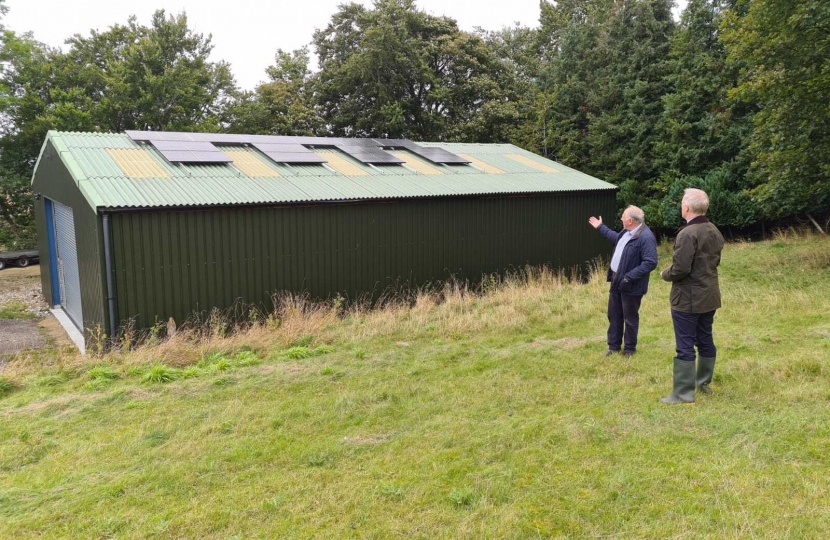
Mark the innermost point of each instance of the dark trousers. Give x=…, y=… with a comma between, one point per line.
x=693, y=330
x=623, y=318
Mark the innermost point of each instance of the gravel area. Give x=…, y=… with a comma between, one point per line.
x=22, y=286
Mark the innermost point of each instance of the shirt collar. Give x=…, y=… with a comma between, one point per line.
x=632, y=233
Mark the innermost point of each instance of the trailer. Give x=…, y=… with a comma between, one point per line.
x=19, y=258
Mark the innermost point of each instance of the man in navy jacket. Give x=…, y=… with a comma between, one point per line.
x=635, y=256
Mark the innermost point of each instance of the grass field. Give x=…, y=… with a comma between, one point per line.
x=491, y=416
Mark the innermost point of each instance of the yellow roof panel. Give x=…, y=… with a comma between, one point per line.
x=137, y=163
x=341, y=165
x=531, y=163
x=415, y=164
x=486, y=167
x=248, y=163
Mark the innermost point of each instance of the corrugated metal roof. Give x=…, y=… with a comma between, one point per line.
x=104, y=183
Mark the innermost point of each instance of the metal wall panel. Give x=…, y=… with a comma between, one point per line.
x=174, y=263
x=69, y=277
x=52, y=180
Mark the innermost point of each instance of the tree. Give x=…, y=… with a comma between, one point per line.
x=572, y=55
x=622, y=133
x=395, y=71
x=703, y=131
x=785, y=45
x=129, y=77
x=605, y=70
x=21, y=58
x=284, y=105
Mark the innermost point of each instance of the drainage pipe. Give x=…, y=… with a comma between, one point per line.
x=110, y=277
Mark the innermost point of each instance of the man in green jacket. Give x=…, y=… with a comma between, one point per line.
x=695, y=296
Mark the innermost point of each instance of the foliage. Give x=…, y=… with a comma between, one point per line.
x=283, y=106
x=702, y=131
x=394, y=71
x=128, y=77
x=785, y=47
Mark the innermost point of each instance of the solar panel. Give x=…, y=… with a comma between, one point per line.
x=185, y=156
x=433, y=154
x=198, y=148
x=288, y=153
x=189, y=151
x=367, y=152
x=372, y=158
x=184, y=145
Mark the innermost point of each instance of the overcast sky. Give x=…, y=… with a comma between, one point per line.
x=246, y=33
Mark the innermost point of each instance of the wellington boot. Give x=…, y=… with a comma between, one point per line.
x=705, y=371
x=683, y=383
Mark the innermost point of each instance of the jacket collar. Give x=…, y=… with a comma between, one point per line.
x=696, y=221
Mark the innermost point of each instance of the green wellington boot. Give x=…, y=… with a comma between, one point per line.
x=705, y=371
x=683, y=383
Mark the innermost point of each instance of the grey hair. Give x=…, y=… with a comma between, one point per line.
x=697, y=200
x=636, y=215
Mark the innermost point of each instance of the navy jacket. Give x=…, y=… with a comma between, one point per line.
x=639, y=258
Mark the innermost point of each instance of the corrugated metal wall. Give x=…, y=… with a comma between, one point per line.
x=172, y=263
x=55, y=182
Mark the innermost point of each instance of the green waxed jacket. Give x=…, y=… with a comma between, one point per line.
x=694, y=269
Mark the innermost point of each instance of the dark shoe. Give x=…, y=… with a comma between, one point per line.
x=629, y=354
x=610, y=352
x=683, y=382
x=705, y=371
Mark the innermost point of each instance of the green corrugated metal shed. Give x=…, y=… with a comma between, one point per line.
x=210, y=236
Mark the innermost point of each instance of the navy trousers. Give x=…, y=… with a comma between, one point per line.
x=693, y=330
x=623, y=319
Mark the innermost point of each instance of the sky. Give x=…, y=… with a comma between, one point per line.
x=246, y=33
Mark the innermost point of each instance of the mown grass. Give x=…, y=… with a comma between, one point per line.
x=491, y=416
